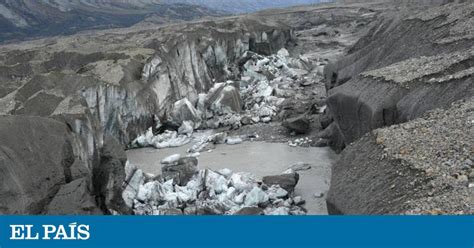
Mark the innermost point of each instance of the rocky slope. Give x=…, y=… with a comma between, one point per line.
x=406, y=65
x=419, y=167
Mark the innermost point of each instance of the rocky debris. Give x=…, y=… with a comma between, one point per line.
x=416, y=167
x=183, y=189
x=419, y=70
x=233, y=103
x=285, y=181
x=180, y=170
x=266, y=81
x=302, y=142
x=299, y=125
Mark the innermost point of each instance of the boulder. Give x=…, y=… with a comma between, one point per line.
x=183, y=110
x=299, y=125
x=287, y=182
x=74, y=198
x=224, y=99
x=182, y=171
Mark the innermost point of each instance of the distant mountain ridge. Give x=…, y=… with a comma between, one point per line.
x=246, y=6
x=24, y=19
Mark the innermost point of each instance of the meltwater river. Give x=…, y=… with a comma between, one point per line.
x=260, y=159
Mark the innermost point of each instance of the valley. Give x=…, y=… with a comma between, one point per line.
x=357, y=107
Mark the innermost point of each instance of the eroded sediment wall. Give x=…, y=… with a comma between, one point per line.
x=407, y=65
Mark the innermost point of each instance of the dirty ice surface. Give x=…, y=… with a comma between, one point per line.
x=260, y=159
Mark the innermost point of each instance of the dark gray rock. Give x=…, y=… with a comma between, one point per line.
x=74, y=198
x=299, y=125
x=182, y=171
x=209, y=210
x=36, y=156
x=365, y=104
x=246, y=120
x=250, y=211
x=287, y=182
x=109, y=176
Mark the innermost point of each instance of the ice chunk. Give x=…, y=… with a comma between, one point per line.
x=215, y=182
x=277, y=211
x=186, y=128
x=234, y=141
x=149, y=192
x=242, y=181
x=255, y=197
x=283, y=53
x=276, y=192
x=171, y=159
x=225, y=172
x=130, y=192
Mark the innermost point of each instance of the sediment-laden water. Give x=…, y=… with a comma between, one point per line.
x=260, y=159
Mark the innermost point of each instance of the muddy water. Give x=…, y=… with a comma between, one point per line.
x=260, y=159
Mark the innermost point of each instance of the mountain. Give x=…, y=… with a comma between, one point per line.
x=24, y=19
x=27, y=19
x=245, y=6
